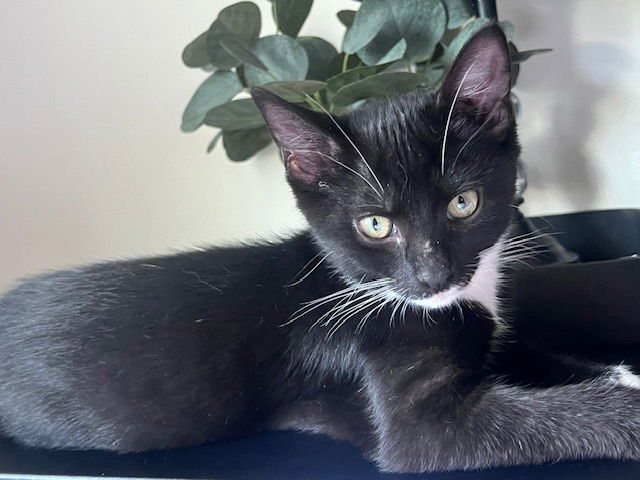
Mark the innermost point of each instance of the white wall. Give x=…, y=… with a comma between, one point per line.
x=93, y=165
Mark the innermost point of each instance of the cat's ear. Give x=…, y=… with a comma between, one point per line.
x=479, y=79
x=302, y=135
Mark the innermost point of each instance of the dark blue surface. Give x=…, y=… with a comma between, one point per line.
x=271, y=456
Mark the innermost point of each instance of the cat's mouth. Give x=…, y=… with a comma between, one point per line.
x=439, y=300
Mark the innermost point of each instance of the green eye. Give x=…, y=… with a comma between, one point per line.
x=376, y=227
x=463, y=205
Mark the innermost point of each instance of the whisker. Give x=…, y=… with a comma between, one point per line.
x=343, y=165
x=469, y=140
x=446, y=128
x=313, y=304
x=319, y=105
x=310, y=271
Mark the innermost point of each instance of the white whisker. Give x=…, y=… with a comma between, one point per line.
x=453, y=103
x=343, y=165
x=319, y=105
x=310, y=271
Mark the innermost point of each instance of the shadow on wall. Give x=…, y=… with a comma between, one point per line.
x=576, y=76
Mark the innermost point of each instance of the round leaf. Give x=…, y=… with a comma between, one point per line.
x=241, y=53
x=384, y=42
x=320, y=53
x=235, y=115
x=195, y=54
x=520, y=57
x=289, y=15
x=508, y=29
x=295, y=91
x=421, y=23
x=458, y=12
x=243, y=144
x=368, y=21
x=284, y=58
x=219, y=88
x=214, y=141
x=346, y=17
x=241, y=22
x=380, y=85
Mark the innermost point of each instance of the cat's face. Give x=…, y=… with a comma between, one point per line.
x=416, y=189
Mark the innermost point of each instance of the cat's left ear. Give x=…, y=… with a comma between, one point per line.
x=480, y=78
x=304, y=138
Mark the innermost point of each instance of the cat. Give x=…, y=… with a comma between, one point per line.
x=381, y=325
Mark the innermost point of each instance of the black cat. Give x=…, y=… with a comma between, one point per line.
x=382, y=325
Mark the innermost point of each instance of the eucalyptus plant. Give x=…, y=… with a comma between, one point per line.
x=389, y=47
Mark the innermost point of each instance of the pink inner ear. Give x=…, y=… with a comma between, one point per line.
x=302, y=168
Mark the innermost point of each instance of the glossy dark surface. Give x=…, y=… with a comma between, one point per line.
x=270, y=456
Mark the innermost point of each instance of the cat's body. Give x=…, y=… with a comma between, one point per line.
x=381, y=326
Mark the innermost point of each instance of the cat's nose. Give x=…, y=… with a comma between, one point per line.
x=434, y=273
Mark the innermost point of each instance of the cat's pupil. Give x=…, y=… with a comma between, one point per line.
x=462, y=204
x=375, y=224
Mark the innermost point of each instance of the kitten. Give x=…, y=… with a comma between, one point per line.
x=381, y=325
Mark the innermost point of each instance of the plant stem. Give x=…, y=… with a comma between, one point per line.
x=345, y=61
x=274, y=12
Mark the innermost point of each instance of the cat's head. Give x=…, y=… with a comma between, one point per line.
x=417, y=188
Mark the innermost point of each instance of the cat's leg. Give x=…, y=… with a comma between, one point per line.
x=426, y=421
x=341, y=415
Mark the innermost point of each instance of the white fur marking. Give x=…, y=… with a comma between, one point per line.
x=625, y=377
x=483, y=287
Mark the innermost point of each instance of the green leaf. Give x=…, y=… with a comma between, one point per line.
x=214, y=141
x=241, y=53
x=462, y=38
x=346, y=17
x=351, y=76
x=295, y=91
x=235, y=115
x=421, y=23
x=195, y=54
x=458, y=12
x=243, y=144
x=434, y=76
x=380, y=85
x=368, y=21
x=241, y=22
x=219, y=88
x=396, y=52
x=508, y=29
x=289, y=15
x=520, y=57
x=284, y=58
x=320, y=53
x=383, y=43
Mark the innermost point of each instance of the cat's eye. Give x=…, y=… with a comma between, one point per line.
x=376, y=227
x=463, y=205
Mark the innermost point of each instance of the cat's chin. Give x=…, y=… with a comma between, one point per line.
x=440, y=300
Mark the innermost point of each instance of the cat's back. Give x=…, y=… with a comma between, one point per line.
x=140, y=342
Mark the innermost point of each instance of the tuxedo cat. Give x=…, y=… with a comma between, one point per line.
x=383, y=324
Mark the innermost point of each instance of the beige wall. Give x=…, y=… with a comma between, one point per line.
x=93, y=165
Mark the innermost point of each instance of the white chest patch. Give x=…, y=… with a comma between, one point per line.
x=483, y=287
x=622, y=375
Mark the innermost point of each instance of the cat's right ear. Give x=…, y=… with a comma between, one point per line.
x=479, y=79
x=303, y=137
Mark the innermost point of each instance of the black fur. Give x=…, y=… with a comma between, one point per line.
x=178, y=350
